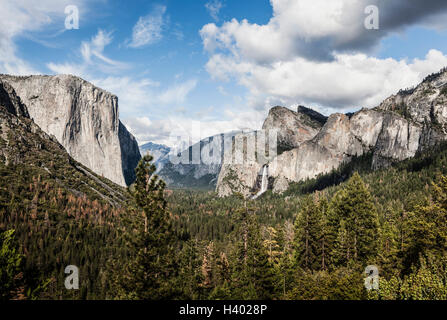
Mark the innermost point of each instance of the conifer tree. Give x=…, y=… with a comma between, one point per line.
x=358, y=234
x=308, y=233
x=153, y=271
x=428, y=225
x=253, y=275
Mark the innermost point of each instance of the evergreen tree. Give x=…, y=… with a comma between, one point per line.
x=308, y=234
x=428, y=225
x=358, y=234
x=190, y=276
x=253, y=275
x=152, y=274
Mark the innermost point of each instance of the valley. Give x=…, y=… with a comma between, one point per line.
x=378, y=200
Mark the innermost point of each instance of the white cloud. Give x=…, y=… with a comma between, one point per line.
x=315, y=29
x=148, y=29
x=20, y=16
x=93, y=58
x=190, y=130
x=213, y=8
x=178, y=93
x=138, y=96
x=317, y=52
x=349, y=81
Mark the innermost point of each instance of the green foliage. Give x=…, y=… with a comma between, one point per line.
x=10, y=265
x=151, y=275
x=308, y=236
x=252, y=275
x=358, y=228
x=183, y=244
x=427, y=282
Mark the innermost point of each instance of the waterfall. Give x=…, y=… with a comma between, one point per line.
x=264, y=183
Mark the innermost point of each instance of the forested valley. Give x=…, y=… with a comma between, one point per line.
x=312, y=242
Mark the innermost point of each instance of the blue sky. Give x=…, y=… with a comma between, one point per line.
x=226, y=62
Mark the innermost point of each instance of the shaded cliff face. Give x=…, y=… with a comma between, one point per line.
x=130, y=154
x=10, y=101
x=84, y=119
x=402, y=125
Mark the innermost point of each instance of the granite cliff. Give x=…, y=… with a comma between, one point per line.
x=83, y=119
x=405, y=123
x=29, y=156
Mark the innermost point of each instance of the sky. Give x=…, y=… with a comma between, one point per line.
x=220, y=65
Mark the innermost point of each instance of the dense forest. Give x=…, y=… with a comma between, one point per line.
x=312, y=242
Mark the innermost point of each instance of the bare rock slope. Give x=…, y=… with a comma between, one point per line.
x=84, y=119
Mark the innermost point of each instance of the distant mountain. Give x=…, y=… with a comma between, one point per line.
x=404, y=124
x=188, y=173
x=158, y=151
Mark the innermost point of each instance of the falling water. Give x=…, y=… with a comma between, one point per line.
x=264, y=183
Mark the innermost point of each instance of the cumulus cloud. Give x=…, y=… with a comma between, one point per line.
x=315, y=29
x=318, y=52
x=213, y=8
x=148, y=29
x=143, y=95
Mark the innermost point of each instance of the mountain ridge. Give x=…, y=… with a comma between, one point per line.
x=397, y=129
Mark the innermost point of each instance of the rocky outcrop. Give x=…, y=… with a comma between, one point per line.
x=402, y=125
x=84, y=119
x=293, y=128
x=157, y=151
x=241, y=168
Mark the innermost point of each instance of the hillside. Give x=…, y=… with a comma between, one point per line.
x=61, y=211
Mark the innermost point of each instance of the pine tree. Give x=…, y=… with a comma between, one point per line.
x=358, y=234
x=253, y=275
x=428, y=225
x=154, y=269
x=308, y=234
x=325, y=246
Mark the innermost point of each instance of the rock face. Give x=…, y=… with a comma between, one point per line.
x=84, y=119
x=402, y=125
x=196, y=167
x=293, y=128
x=24, y=147
x=241, y=170
x=10, y=101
